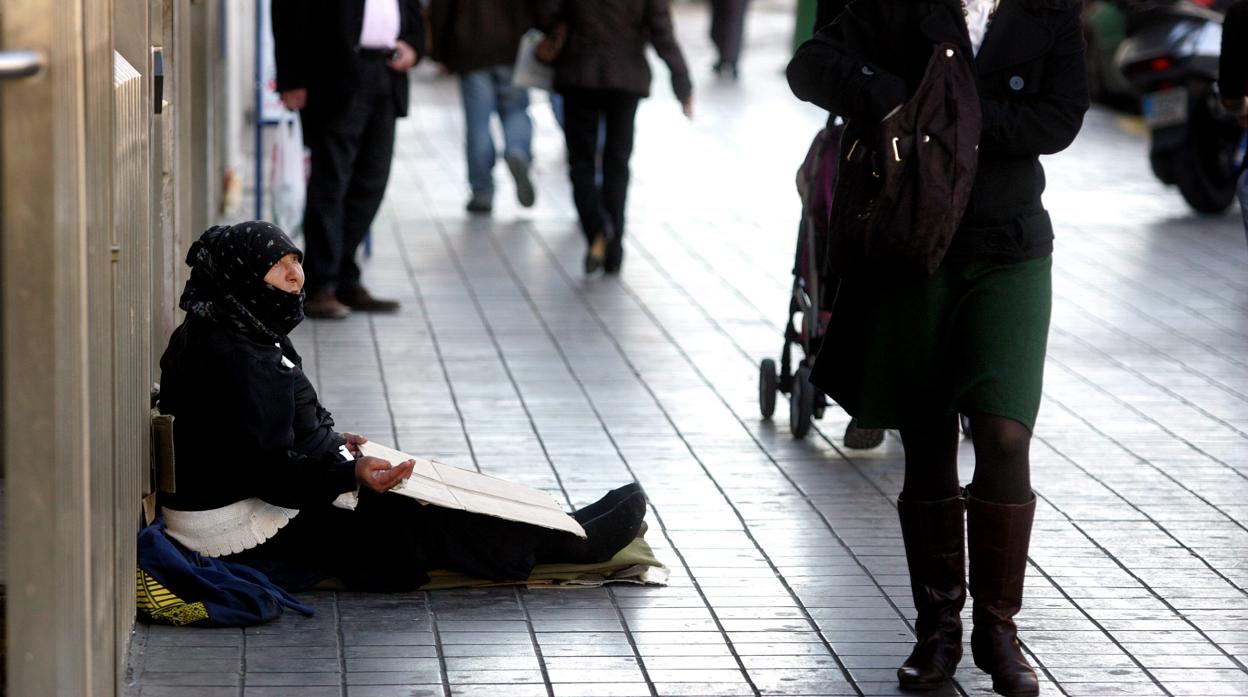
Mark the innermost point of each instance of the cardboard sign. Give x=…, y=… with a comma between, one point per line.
x=451, y=487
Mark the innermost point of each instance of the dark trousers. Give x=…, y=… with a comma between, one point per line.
x=728, y=28
x=600, y=207
x=352, y=143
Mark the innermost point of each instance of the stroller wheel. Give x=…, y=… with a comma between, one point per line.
x=862, y=438
x=965, y=421
x=801, y=403
x=768, y=383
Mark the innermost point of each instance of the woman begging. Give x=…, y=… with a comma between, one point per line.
x=259, y=463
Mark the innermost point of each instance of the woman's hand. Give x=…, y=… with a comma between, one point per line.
x=380, y=476
x=354, y=442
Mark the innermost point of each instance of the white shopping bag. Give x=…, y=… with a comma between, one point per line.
x=529, y=71
x=288, y=177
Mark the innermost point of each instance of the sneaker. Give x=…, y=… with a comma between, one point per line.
x=323, y=305
x=481, y=204
x=358, y=298
x=524, y=186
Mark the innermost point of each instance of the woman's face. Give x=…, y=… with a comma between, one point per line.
x=286, y=274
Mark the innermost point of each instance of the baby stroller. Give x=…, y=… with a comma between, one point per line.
x=810, y=303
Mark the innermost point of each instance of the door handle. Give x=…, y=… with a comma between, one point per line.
x=15, y=64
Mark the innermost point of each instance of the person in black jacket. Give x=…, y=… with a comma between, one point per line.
x=250, y=435
x=602, y=74
x=478, y=40
x=342, y=64
x=913, y=352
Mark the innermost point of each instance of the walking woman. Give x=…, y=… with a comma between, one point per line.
x=602, y=73
x=912, y=352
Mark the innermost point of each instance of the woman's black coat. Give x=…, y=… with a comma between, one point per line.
x=1032, y=86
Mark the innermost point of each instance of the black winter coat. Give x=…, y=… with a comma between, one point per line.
x=316, y=47
x=472, y=35
x=1032, y=86
x=606, y=46
x=246, y=424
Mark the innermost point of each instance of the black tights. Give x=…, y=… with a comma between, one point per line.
x=1002, y=461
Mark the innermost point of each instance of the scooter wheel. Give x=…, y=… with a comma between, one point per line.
x=768, y=383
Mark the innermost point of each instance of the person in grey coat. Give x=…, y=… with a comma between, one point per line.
x=602, y=74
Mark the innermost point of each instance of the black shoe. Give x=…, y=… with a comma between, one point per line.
x=606, y=503
x=606, y=534
x=524, y=185
x=480, y=204
x=614, y=257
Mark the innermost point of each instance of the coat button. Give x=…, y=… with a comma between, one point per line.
x=1016, y=83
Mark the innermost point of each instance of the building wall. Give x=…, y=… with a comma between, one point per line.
x=105, y=182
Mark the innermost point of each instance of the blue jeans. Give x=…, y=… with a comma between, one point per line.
x=484, y=92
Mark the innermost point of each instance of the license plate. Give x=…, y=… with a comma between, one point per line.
x=1165, y=108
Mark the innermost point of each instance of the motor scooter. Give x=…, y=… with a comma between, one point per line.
x=1171, y=55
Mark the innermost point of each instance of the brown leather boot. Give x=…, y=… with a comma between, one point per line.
x=932, y=531
x=323, y=305
x=997, y=537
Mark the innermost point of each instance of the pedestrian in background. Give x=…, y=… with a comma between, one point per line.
x=1233, y=80
x=728, y=33
x=478, y=40
x=602, y=73
x=912, y=351
x=342, y=64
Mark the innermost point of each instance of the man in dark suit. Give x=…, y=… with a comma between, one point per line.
x=343, y=65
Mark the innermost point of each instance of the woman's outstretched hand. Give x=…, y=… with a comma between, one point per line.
x=380, y=476
x=354, y=442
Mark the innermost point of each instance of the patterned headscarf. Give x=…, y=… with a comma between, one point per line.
x=228, y=265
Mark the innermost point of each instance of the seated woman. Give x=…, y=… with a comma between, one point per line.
x=259, y=463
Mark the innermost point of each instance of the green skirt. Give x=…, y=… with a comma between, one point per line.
x=971, y=338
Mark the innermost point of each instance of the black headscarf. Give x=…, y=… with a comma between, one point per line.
x=228, y=265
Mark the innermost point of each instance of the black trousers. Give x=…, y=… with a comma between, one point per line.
x=728, y=28
x=352, y=143
x=600, y=207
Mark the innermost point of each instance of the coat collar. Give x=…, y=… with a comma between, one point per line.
x=1017, y=34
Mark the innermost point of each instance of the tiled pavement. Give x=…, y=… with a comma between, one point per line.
x=787, y=569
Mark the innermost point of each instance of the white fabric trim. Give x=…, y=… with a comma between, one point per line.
x=229, y=529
